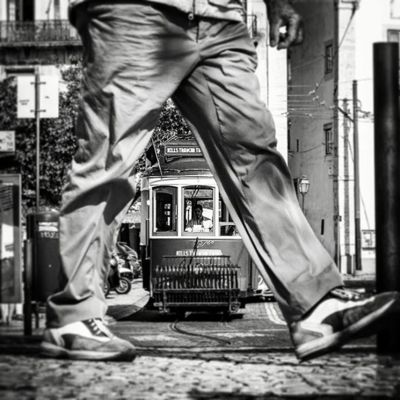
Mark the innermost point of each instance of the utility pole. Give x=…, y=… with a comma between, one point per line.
x=357, y=224
x=346, y=211
x=37, y=116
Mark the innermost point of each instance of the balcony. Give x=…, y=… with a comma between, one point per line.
x=60, y=32
x=37, y=33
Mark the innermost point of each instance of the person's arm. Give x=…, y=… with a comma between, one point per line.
x=282, y=14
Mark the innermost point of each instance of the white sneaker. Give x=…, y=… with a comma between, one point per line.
x=340, y=317
x=86, y=340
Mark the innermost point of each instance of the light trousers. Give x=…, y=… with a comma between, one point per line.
x=138, y=55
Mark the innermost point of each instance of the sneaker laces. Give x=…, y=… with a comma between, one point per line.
x=97, y=327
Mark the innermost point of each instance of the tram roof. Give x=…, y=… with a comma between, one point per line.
x=179, y=158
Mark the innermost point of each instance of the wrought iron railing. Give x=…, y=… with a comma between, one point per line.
x=40, y=31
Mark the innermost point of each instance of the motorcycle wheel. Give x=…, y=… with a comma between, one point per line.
x=124, y=286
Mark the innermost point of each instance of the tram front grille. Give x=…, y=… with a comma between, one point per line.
x=195, y=280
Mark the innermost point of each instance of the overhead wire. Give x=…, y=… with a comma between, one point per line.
x=334, y=57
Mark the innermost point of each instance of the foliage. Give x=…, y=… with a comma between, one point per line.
x=57, y=139
x=171, y=125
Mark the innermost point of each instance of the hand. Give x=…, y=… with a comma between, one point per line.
x=282, y=14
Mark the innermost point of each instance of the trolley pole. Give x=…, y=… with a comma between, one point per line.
x=357, y=223
x=387, y=186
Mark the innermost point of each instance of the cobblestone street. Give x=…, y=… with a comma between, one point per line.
x=233, y=376
x=199, y=357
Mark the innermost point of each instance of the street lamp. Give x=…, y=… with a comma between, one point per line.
x=303, y=185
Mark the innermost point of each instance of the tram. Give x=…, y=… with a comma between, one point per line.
x=192, y=254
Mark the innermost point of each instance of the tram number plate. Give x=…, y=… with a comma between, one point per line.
x=199, y=252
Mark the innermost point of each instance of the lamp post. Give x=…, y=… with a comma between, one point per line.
x=303, y=186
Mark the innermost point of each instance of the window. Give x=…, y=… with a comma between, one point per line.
x=393, y=35
x=395, y=9
x=329, y=144
x=227, y=226
x=368, y=239
x=23, y=10
x=198, y=213
x=328, y=58
x=164, y=210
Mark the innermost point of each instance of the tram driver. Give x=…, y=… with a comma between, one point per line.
x=199, y=223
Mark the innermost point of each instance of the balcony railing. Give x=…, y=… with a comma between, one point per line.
x=37, y=32
x=45, y=31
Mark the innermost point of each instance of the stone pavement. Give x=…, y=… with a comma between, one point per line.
x=236, y=376
x=200, y=357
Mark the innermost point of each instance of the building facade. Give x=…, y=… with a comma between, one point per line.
x=336, y=58
x=36, y=32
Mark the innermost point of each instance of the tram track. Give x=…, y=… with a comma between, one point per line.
x=271, y=315
x=175, y=328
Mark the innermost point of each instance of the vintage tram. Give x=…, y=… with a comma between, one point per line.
x=192, y=255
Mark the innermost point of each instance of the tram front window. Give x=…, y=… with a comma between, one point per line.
x=164, y=210
x=198, y=209
x=227, y=226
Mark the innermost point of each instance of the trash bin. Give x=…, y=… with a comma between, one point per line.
x=42, y=230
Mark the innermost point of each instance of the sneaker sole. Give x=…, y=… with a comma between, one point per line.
x=54, y=351
x=321, y=346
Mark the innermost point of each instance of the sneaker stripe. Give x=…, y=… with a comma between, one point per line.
x=326, y=343
x=330, y=306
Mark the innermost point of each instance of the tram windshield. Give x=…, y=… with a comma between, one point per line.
x=201, y=211
x=165, y=209
x=198, y=209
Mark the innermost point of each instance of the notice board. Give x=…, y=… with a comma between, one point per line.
x=10, y=238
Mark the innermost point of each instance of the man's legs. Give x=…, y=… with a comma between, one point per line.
x=135, y=57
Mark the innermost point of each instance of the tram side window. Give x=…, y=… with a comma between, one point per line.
x=164, y=210
x=198, y=209
x=227, y=226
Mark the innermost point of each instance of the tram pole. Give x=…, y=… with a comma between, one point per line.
x=387, y=185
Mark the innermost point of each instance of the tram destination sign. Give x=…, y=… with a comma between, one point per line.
x=182, y=150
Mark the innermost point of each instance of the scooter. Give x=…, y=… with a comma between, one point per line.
x=131, y=260
x=118, y=277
